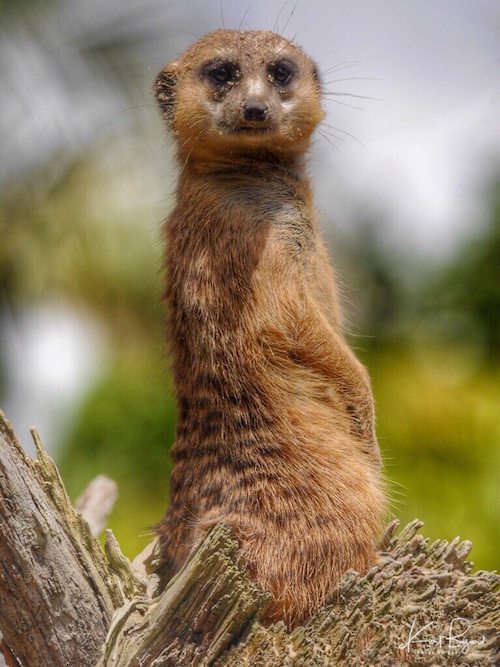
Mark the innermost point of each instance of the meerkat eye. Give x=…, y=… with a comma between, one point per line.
x=282, y=72
x=221, y=73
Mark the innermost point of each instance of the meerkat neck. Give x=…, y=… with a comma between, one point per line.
x=244, y=163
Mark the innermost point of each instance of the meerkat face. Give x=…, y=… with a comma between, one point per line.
x=241, y=91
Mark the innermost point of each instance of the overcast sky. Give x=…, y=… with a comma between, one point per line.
x=426, y=142
x=425, y=147
x=432, y=136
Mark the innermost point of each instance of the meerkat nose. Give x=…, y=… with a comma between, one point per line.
x=255, y=110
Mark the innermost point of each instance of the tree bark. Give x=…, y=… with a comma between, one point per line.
x=58, y=592
x=65, y=602
x=96, y=503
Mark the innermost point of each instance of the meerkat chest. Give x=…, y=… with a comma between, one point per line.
x=198, y=287
x=224, y=250
x=293, y=231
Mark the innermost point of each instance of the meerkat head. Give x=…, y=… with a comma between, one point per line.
x=235, y=91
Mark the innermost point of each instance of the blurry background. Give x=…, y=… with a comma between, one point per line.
x=407, y=175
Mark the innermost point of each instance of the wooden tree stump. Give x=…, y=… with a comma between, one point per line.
x=65, y=601
x=58, y=592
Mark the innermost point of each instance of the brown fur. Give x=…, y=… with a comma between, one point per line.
x=276, y=429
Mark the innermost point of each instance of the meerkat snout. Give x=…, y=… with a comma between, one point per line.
x=255, y=110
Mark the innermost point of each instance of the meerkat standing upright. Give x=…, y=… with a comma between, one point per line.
x=275, y=434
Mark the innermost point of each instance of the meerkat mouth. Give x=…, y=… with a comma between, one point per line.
x=245, y=129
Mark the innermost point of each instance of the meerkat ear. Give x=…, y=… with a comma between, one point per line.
x=164, y=91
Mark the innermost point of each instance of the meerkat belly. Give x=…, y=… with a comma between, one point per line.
x=302, y=505
x=284, y=435
x=247, y=402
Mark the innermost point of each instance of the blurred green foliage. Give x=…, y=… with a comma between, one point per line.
x=431, y=348
x=466, y=293
x=125, y=428
x=85, y=249
x=439, y=433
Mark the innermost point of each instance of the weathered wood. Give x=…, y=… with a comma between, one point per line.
x=206, y=607
x=418, y=606
x=57, y=592
x=7, y=659
x=60, y=596
x=96, y=503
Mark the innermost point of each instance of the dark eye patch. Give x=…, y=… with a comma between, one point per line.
x=282, y=71
x=221, y=72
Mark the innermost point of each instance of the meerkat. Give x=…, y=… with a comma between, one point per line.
x=275, y=432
